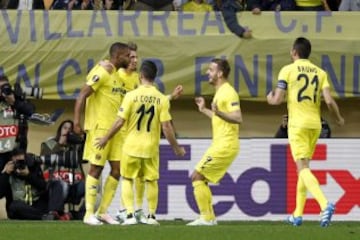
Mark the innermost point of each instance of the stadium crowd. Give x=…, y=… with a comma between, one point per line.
x=185, y=5
x=228, y=8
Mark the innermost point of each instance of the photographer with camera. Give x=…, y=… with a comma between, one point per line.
x=13, y=129
x=63, y=165
x=282, y=131
x=31, y=199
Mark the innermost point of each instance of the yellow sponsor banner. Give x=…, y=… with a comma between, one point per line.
x=55, y=49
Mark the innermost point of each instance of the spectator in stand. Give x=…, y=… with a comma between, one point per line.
x=282, y=132
x=154, y=5
x=3, y=4
x=110, y=4
x=24, y=5
x=256, y=6
x=229, y=8
x=312, y=5
x=196, y=6
x=88, y=4
x=349, y=5
x=81, y=5
x=333, y=4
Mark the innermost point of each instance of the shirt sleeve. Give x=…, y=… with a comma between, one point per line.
x=325, y=81
x=233, y=102
x=96, y=78
x=283, y=78
x=165, y=110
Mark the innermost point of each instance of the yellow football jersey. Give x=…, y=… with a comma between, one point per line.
x=89, y=119
x=102, y=106
x=130, y=80
x=225, y=133
x=308, y=3
x=144, y=109
x=304, y=82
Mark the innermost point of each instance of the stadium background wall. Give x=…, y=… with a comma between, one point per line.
x=38, y=49
x=260, y=119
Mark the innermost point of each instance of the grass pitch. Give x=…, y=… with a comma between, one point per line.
x=176, y=230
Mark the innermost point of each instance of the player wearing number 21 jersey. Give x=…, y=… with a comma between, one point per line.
x=304, y=83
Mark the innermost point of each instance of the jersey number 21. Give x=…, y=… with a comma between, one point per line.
x=307, y=83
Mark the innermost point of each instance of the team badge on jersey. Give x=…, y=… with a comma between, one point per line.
x=95, y=78
x=98, y=157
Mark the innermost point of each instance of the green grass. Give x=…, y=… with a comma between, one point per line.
x=176, y=230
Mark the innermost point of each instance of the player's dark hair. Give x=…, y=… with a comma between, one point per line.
x=133, y=46
x=149, y=70
x=303, y=47
x=118, y=46
x=4, y=78
x=58, y=131
x=18, y=151
x=223, y=65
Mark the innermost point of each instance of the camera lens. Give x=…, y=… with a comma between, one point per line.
x=20, y=164
x=6, y=89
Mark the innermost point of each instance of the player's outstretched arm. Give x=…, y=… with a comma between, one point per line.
x=176, y=93
x=101, y=142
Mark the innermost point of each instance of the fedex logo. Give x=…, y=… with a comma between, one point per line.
x=280, y=177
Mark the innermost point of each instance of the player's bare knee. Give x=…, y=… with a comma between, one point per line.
x=196, y=176
x=95, y=171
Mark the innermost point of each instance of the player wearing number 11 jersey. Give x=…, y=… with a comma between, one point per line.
x=145, y=110
x=305, y=83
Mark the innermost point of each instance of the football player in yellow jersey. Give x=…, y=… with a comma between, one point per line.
x=225, y=115
x=144, y=110
x=130, y=79
x=305, y=83
x=103, y=89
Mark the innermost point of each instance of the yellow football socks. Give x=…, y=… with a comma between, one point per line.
x=91, y=185
x=312, y=185
x=203, y=197
x=300, y=198
x=108, y=194
x=127, y=195
x=140, y=189
x=152, y=194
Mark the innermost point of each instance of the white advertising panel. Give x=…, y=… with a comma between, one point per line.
x=261, y=182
